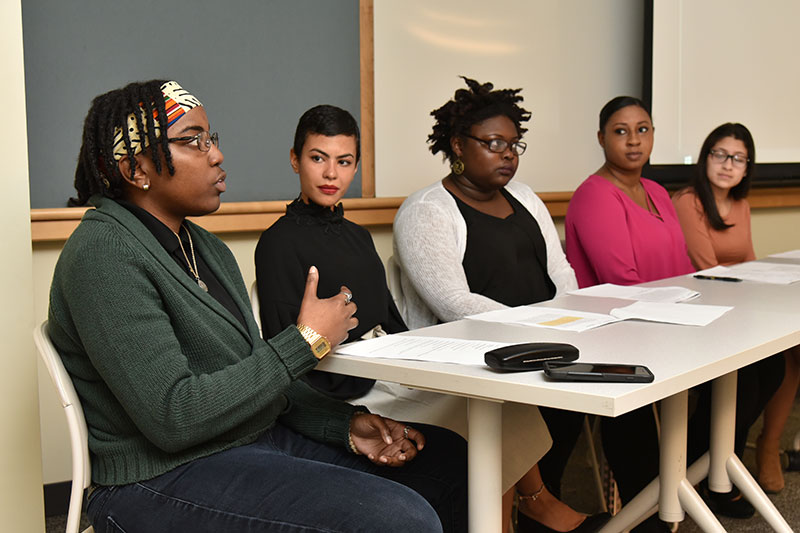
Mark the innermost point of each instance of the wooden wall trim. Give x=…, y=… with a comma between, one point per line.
x=241, y=217
x=367, y=63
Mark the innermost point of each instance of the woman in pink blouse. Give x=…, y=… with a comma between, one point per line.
x=622, y=228
x=715, y=217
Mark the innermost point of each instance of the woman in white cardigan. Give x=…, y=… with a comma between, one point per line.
x=430, y=238
x=475, y=241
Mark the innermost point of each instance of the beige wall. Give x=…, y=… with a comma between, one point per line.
x=20, y=454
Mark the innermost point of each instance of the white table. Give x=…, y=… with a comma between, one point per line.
x=765, y=320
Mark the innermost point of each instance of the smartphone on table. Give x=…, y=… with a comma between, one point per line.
x=606, y=372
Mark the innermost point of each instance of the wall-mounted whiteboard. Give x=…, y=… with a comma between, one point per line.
x=717, y=61
x=568, y=56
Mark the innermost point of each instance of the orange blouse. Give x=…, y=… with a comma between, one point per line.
x=707, y=246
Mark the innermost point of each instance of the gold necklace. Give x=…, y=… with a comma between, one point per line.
x=194, y=271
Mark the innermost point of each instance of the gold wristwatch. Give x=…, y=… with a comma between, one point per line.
x=319, y=344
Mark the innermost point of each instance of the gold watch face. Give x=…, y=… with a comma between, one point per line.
x=321, y=347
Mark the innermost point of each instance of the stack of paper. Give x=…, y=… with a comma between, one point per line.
x=794, y=254
x=644, y=294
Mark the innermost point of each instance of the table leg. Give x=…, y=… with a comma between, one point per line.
x=485, y=465
x=725, y=467
x=671, y=491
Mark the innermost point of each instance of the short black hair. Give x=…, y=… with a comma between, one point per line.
x=700, y=181
x=97, y=171
x=617, y=103
x=470, y=106
x=327, y=120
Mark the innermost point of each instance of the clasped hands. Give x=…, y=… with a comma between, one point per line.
x=385, y=441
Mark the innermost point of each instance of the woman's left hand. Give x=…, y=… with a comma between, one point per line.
x=385, y=441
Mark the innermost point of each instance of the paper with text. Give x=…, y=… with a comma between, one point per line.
x=645, y=294
x=437, y=349
x=672, y=313
x=546, y=317
x=760, y=271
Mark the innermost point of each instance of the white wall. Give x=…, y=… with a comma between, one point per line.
x=569, y=57
x=20, y=453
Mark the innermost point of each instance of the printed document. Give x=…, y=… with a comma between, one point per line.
x=671, y=313
x=437, y=349
x=644, y=294
x=546, y=317
x=760, y=271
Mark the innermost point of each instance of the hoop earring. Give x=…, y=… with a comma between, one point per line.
x=457, y=167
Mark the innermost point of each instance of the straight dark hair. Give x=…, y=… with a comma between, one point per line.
x=700, y=183
x=615, y=104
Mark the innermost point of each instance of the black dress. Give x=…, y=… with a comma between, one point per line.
x=343, y=252
x=506, y=260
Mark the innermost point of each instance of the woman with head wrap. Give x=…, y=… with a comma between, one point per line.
x=196, y=423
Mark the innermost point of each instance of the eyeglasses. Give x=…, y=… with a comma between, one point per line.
x=499, y=146
x=720, y=157
x=204, y=140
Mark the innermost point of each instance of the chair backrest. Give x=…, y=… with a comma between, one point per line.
x=78, y=433
x=255, y=305
x=395, y=287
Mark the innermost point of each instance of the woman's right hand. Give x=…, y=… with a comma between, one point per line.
x=331, y=317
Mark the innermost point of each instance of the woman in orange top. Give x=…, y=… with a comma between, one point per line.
x=715, y=218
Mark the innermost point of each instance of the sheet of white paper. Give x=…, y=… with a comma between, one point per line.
x=546, y=317
x=646, y=294
x=763, y=272
x=794, y=254
x=437, y=349
x=672, y=313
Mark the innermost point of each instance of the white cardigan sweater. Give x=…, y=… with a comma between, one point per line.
x=430, y=238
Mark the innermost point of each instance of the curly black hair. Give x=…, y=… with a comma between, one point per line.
x=97, y=171
x=470, y=106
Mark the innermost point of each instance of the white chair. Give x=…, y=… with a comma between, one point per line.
x=78, y=434
x=395, y=287
x=255, y=305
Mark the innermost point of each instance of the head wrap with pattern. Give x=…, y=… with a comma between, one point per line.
x=177, y=101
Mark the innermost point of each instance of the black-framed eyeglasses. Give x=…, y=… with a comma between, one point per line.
x=499, y=146
x=720, y=157
x=204, y=140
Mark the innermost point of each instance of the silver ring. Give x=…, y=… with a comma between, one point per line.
x=348, y=296
x=405, y=431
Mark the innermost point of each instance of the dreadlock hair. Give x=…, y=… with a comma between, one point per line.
x=97, y=171
x=470, y=106
x=702, y=186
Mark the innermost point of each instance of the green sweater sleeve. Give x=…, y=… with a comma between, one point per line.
x=181, y=372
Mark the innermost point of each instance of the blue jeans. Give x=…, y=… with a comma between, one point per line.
x=285, y=482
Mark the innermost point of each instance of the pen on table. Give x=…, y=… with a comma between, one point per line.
x=716, y=278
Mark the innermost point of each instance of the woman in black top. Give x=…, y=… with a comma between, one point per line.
x=314, y=232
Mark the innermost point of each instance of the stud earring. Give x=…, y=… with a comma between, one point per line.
x=457, y=167
x=146, y=186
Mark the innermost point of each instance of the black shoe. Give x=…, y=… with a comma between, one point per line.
x=653, y=525
x=590, y=524
x=731, y=504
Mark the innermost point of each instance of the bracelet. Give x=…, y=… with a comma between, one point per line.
x=352, y=444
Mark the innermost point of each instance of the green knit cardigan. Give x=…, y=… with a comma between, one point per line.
x=165, y=373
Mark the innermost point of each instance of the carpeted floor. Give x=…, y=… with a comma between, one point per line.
x=579, y=489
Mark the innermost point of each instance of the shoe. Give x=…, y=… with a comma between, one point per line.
x=730, y=504
x=768, y=464
x=590, y=524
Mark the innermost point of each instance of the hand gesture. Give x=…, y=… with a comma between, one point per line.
x=385, y=441
x=332, y=317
